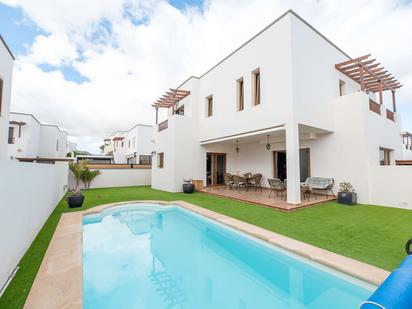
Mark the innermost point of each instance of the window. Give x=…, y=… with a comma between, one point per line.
x=122, y=144
x=240, y=95
x=209, y=106
x=57, y=145
x=145, y=159
x=341, y=88
x=129, y=143
x=160, y=159
x=181, y=111
x=385, y=156
x=256, y=87
x=11, y=135
x=1, y=95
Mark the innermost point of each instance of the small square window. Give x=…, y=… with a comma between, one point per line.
x=385, y=156
x=240, y=94
x=209, y=106
x=256, y=86
x=342, y=90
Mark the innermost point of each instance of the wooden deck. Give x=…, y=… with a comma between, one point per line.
x=261, y=197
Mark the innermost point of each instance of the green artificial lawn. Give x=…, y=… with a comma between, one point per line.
x=371, y=234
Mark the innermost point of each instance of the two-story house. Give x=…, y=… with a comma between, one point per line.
x=28, y=138
x=132, y=146
x=288, y=104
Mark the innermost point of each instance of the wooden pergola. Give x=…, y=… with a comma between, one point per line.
x=371, y=76
x=169, y=100
x=19, y=124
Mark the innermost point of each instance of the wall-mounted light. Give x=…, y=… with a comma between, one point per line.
x=237, y=147
x=268, y=144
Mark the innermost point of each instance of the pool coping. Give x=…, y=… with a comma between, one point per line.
x=59, y=280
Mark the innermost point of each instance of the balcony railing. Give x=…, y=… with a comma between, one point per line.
x=374, y=107
x=163, y=125
x=390, y=115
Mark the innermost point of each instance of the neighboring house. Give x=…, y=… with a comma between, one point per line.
x=6, y=73
x=407, y=145
x=28, y=138
x=287, y=104
x=132, y=146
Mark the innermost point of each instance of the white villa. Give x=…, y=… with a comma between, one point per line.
x=407, y=145
x=132, y=146
x=28, y=138
x=288, y=104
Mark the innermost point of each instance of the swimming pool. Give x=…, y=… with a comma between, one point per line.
x=151, y=256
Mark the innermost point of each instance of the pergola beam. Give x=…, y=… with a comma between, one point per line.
x=342, y=64
x=170, y=99
x=368, y=74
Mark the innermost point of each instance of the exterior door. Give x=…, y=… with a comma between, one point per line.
x=215, y=168
x=279, y=164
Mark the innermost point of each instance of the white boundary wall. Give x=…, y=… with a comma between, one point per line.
x=390, y=186
x=29, y=192
x=118, y=178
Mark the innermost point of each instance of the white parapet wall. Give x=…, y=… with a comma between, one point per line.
x=29, y=193
x=390, y=186
x=118, y=177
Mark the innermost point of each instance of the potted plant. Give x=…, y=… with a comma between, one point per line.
x=76, y=199
x=188, y=187
x=347, y=194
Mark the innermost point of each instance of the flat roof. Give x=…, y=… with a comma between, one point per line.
x=42, y=124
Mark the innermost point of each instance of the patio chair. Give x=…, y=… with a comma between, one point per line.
x=255, y=181
x=276, y=185
x=317, y=184
x=239, y=182
x=247, y=175
x=228, y=180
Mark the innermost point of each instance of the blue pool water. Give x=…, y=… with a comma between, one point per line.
x=148, y=256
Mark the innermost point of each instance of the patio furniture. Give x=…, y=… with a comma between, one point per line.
x=239, y=182
x=305, y=190
x=317, y=184
x=255, y=181
x=278, y=186
x=248, y=175
x=228, y=180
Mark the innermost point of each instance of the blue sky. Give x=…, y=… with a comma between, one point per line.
x=69, y=53
x=19, y=32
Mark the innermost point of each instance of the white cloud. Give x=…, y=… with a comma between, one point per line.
x=53, y=49
x=129, y=61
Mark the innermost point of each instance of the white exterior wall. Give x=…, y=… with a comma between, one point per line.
x=6, y=74
x=271, y=53
x=406, y=153
x=139, y=137
x=30, y=192
x=117, y=178
x=346, y=154
x=36, y=139
x=382, y=192
x=28, y=144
